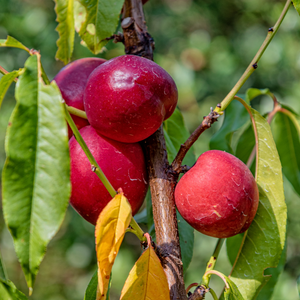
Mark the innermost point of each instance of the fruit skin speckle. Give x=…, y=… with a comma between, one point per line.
x=218, y=196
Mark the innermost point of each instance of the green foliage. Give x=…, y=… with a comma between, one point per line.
x=296, y=4
x=42, y=157
x=232, y=293
x=91, y=291
x=286, y=131
x=264, y=240
x=12, y=42
x=97, y=20
x=66, y=28
x=8, y=291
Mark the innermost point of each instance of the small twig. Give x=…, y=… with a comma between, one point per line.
x=253, y=64
x=206, y=123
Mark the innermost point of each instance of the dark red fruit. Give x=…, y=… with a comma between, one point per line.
x=123, y=164
x=71, y=81
x=128, y=97
x=218, y=196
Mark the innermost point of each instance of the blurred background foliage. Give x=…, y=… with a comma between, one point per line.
x=205, y=45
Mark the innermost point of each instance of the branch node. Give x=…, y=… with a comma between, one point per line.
x=199, y=293
x=271, y=29
x=254, y=66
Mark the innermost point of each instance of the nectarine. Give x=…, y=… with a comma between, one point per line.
x=123, y=164
x=218, y=196
x=71, y=81
x=128, y=97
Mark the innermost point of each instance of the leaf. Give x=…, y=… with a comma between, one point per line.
x=232, y=247
x=268, y=289
x=265, y=239
x=12, y=42
x=253, y=93
x=233, y=292
x=235, y=117
x=298, y=285
x=5, y=82
x=296, y=4
x=91, y=291
x=110, y=230
x=66, y=29
x=36, y=175
x=286, y=135
x=97, y=20
x=186, y=240
x=8, y=291
x=2, y=270
x=147, y=279
x=176, y=134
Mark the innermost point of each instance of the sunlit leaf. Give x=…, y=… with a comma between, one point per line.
x=8, y=291
x=110, y=230
x=296, y=4
x=265, y=239
x=66, y=29
x=36, y=175
x=253, y=93
x=235, y=117
x=6, y=81
x=147, y=279
x=232, y=293
x=286, y=133
x=12, y=42
x=97, y=20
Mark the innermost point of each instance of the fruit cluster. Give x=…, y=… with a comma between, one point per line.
x=126, y=99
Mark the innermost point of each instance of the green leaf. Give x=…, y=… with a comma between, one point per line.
x=2, y=270
x=186, y=240
x=233, y=292
x=5, y=82
x=91, y=291
x=253, y=93
x=265, y=239
x=296, y=4
x=298, y=285
x=12, y=42
x=235, y=117
x=268, y=289
x=286, y=135
x=232, y=247
x=36, y=175
x=66, y=29
x=96, y=20
x=176, y=134
x=8, y=291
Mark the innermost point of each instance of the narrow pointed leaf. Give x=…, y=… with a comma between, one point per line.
x=8, y=291
x=110, y=230
x=12, y=42
x=265, y=239
x=66, y=29
x=296, y=4
x=5, y=82
x=97, y=20
x=2, y=270
x=235, y=117
x=36, y=175
x=147, y=279
x=233, y=292
x=286, y=133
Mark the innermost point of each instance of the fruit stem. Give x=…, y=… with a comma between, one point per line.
x=213, y=293
x=76, y=112
x=253, y=64
x=137, y=230
x=94, y=165
x=212, y=262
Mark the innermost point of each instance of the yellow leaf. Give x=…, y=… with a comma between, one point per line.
x=110, y=230
x=146, y=280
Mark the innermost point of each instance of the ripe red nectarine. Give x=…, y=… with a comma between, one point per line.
x=218, y=196
x=128, y=97
x=123, y=164
x=71, y=81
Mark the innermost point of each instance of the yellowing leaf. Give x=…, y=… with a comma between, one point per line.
x=110, y=230
x=146, y=280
